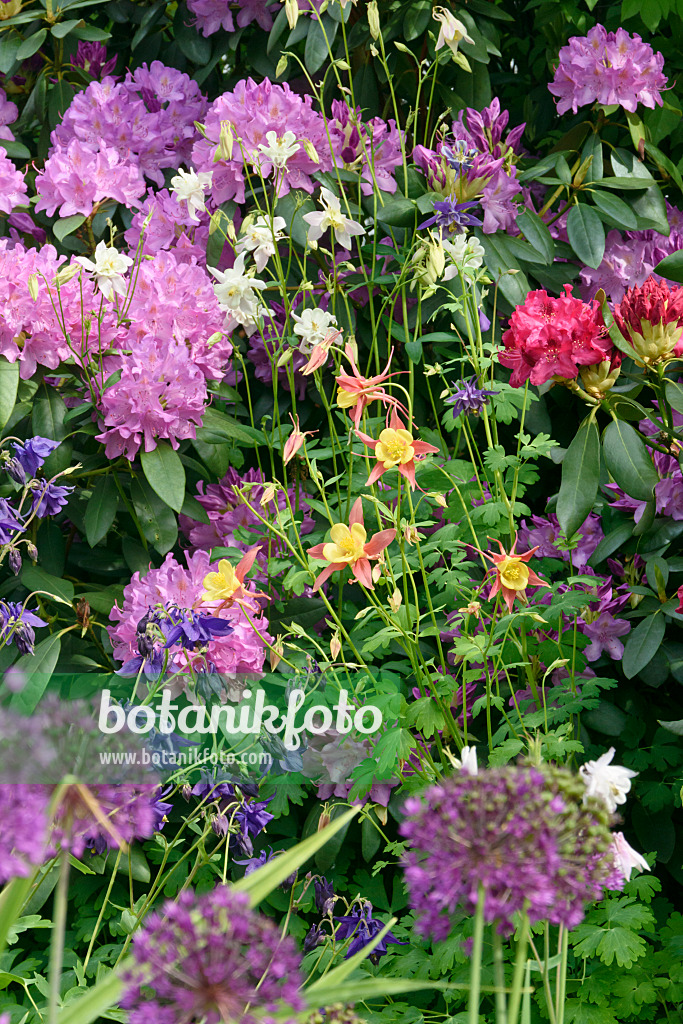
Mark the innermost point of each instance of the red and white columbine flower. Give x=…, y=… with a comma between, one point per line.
x=513, y=575
x=349, y=546
x=355, y=392
x=396, y=448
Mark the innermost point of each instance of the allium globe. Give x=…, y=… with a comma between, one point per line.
x=211, y=958
x=522, y=834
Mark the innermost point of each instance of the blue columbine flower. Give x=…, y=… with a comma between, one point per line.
x=190, y=629
x=459, y=156
x=50, y=498
x=9, y=524
x=360, y=923
x=468, y=397
x=452, y=216
x=31, y=455
x=16, y=625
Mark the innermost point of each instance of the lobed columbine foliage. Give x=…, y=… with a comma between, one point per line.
x=341, y=374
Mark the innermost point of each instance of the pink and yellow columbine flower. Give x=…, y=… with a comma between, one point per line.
x=355, y=392
x=321, y=351
x=513, y=575
x=396, y=448
x=295, y=440
x=349, y=546
x=227, y=585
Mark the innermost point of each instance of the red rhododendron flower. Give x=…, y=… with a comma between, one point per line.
x=550, y=338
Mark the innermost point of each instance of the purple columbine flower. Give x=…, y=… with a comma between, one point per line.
x=32, y=454
x=361, y=924
x=460, y=155
x=9, y=524
x=211, y=958
x=452, y=216
x=190, y=629
x=468, y=397
x=50, y=499
x=17, y=624
x=604, y=635
x=324, y=896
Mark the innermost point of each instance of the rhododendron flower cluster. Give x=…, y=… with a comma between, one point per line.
x=170, y=227
x=148, y=119
x=213, y=15
x=552, y=338
x=240, y=653
x=8, y=115
x=161, y=393
x=608, y=68
x=474, y=161
x=13, y=188
x=77, y=177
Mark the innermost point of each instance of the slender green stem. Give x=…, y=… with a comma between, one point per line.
x=475, y=965
x=518, y=974
x=58, y=933
x=499, y=975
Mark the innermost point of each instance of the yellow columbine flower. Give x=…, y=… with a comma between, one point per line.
x=347, y=544
x=513, y=574
x=221, y=585
x=394, y=448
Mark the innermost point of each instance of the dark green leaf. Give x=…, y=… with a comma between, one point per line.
x=399, y=212
x=67, y=225
x=101, y=510
x=317, y=50
x=616, y=209
x=35, y=578
x=537, y=234
x=9, y=383
x=193, y=45
x=674, y=395
x=165, y=474
x=586, y=234
x=414, y=350
x=623, y=184
x=580, y=478
x=157, y=520
x=62, y=28
x=38, y=668
x=416, y=20
x=671, y=267
x=642, y=644
x=48, y=415
x=218, y=428
x=32, y=44
x=628, y=461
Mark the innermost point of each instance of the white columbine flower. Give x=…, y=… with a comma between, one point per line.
x=237, y=292
x=466, y=256
x=451, y=31
x=109, y=267
x=278, y=150
x=312, y=327
x=606, y=781
x=260, y=238
x=625, y=857
x=332, y=218
x=189, y=187
x=467, y=762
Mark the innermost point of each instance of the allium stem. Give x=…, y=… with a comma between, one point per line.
x=499, y=975
x=58, y=931
x=561, y=992
x=518, y=975
x=475, y=965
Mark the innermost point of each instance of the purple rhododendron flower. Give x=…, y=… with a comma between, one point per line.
x=604, y=635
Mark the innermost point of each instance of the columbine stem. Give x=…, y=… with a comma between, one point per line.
x=58, y=931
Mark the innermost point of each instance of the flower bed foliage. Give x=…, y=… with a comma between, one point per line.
x=341, y=367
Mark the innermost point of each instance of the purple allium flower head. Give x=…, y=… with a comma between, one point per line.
x=211, y=958
x=362, y=927
x=50, y=498
x=452, y=216
x=9, y=524
x=23, y=837
x=522, y=834
x=468, y=397
x=32, y=453
x=604, y=635
x=92, y=57
x=608, y=68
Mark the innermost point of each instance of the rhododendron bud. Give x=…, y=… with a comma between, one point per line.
x=650, y=317
x=8, y=8
x=598, y=379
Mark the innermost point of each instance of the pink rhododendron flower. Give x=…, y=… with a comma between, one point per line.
x=213, y=15
x=9, y=112
x=160, y=394
x=76, y=178
x=607, y=68
x=550, y=338
x=241, y=653
x=12, y=185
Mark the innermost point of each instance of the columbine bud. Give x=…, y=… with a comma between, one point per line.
x=281, y=66
x=65, y=275
x=292, y=11
x=268, y=495
x=284, y=358
x=395, y=601
x=411, y=535
x=324, y=819
x=33, y=286
x=373, y=19
x=226, y=142
x=335, y=647
x=32, y=551
x=186, y=791
x=276, y=653
x=440, y=500
x=311, y=151
x=14, y=559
